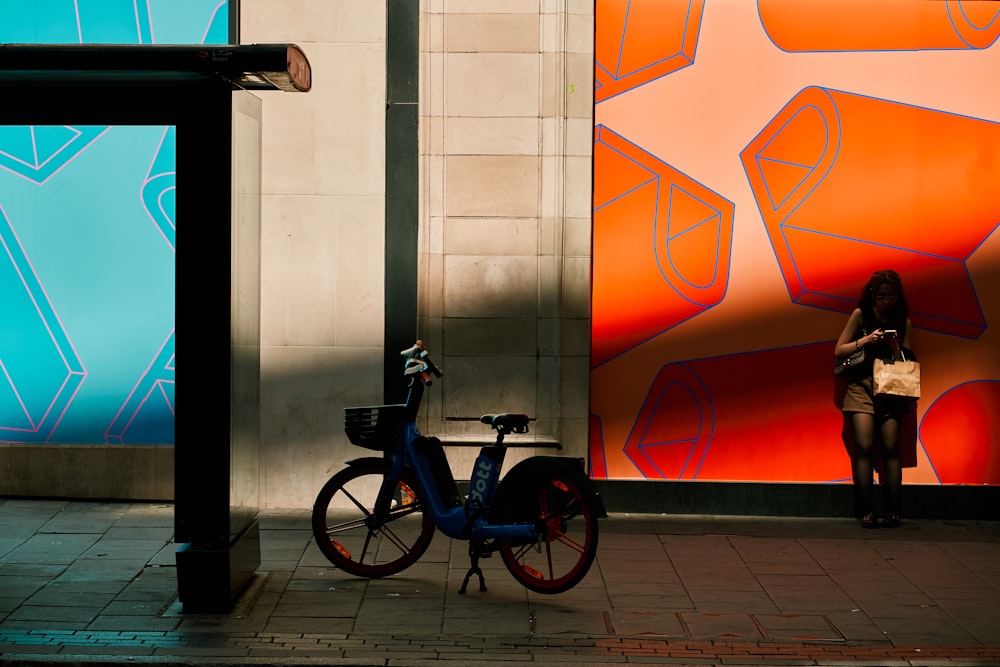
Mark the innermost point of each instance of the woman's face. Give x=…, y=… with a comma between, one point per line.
x=885, y=296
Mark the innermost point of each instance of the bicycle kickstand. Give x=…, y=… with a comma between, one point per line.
x=475, y=552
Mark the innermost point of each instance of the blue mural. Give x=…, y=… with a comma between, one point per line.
x=115, y=22
x=87, y=229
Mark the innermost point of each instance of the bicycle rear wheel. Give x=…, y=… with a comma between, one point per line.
x=350, y=537
x=568, y=544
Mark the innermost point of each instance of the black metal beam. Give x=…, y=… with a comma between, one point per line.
x=401, y=189
x=250, y=66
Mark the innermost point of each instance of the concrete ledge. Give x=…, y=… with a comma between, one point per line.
x=981, y=503
x=97, y=472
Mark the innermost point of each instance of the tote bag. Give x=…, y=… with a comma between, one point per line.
x=897, y=378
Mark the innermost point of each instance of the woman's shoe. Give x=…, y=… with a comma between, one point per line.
x=869, y=521
x=891, y=521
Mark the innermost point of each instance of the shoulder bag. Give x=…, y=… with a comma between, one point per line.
x=841, y=366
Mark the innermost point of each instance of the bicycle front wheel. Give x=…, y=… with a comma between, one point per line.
x=353, y=539
x=565, y=550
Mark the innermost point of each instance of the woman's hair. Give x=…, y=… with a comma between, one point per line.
x=899, y=311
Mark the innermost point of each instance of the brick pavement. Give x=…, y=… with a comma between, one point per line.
x=34, y=647
x=89, y=583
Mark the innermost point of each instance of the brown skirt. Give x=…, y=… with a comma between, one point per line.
x=860, y=398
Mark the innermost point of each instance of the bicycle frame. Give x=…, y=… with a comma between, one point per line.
x=454, y=522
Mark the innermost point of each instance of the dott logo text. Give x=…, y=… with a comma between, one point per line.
x=484, y=470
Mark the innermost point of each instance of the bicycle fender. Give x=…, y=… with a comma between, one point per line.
x=366, y=460
x=509, y=501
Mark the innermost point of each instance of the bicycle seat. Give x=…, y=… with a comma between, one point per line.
x=509, y=423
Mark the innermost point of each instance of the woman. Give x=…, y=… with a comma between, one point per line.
x=881, y=326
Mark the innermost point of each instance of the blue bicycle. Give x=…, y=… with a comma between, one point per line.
x=377, y=516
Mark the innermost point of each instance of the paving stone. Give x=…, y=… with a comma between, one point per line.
x=797, y=627
x=52, y=597
x=722, y=626
x=646, y=622
x=54, y=615
x=725, y=601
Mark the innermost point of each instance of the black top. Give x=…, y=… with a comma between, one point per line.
x=880, y=350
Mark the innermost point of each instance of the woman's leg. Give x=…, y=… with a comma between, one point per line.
x=892, y=478
x=863, y=427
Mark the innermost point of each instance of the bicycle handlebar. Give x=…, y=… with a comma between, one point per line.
x=418, y=363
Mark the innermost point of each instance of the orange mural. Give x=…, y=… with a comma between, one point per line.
x=699, y=422
x=846, y=182
x=742, y=196
x=971, y=454
x=641, y=41
x=661, y=246
x=866, y=25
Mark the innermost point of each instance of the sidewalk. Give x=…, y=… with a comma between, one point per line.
x=88, y=583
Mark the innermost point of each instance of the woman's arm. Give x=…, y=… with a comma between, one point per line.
x=846, y=346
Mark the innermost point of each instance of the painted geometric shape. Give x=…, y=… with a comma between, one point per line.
x=733, y=417
x=36, y=153
x=662, y=245
x=147, y=415
x=673, y=427
x=40, y=371
x=960, y=433
x=637, y=41
x=848, y=184
x=879, y=25
x=160, y=186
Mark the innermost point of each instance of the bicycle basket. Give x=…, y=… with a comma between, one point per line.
x=373, y=426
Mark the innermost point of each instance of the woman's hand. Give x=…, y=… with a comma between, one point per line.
x=880, y=335
x=891, y=338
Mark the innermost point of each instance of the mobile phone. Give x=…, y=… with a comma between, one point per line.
x=890, y=332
